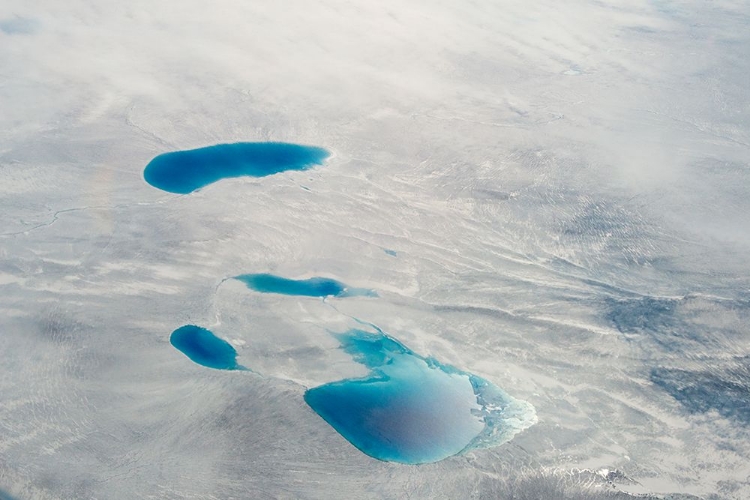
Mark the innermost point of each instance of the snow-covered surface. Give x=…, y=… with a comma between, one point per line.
x=565, y=186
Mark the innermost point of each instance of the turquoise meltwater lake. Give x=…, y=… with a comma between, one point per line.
x=411, y=409
x=205, y=348
x=312, y=287
x=183, y=172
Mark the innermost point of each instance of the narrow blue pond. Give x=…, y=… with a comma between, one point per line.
x=205, y=348
x=414, y=410
x=313, y=287
x=186, y=171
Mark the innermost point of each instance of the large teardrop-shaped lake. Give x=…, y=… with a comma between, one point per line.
x=183, y=172
x=411, y=409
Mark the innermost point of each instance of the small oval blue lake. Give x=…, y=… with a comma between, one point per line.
x=414, y=410
x=183, y=172
x=205, y=348
x=313, y=287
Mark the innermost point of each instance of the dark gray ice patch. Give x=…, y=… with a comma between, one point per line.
x=600, y=226
x=725, y=390
x=597, y=217
x=645, y=30
x=561, y=485
x=490, y=194
x=693, y=321
x=642, y=314
x=58, y=327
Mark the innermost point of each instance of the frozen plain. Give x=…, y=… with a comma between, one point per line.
x=565, y=188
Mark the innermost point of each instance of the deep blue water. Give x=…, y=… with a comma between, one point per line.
x=186, y=171
x=313, y=287
x=411, y=409
x=205, y=348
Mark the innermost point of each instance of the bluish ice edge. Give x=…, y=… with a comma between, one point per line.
x=18, y=26
x=312, y=287
x=5, y=496
x=504, y=416
x=445, y=411
x=205, y=348
x=183, y=172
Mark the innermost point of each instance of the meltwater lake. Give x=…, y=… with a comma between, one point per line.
x=312, y=287
x=411, y=409
x=183, y=172
x=205, y=348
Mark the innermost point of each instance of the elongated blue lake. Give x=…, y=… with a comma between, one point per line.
x=313, y=287
x=414, y=410
x=183, y=172
x=205, y=348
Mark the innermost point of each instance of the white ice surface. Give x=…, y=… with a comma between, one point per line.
x=566, y=185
